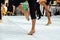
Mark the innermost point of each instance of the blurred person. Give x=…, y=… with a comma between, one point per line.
x=10, y=7
x=1, y=3
x=3, y=10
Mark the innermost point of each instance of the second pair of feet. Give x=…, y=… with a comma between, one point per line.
x=48, y=23
x=31, y=32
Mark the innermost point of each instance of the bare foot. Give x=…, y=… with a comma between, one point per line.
x=31, y=32
x=48, y=23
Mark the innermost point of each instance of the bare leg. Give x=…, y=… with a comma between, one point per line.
x=33, y=27
x=26, y=13
x=48, y=15
x=46, y=7
x=49, y=20
x=48, y=12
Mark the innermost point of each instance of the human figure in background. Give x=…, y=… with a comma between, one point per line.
x=1, y=4
x=10, y=8
x=39, y=14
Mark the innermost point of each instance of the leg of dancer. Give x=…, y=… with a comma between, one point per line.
x=32, y=8
x=45, y=3
x=16, y=3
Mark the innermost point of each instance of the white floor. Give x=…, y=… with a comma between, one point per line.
x=17, y=27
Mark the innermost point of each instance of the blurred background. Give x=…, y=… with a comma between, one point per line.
x=9, y=10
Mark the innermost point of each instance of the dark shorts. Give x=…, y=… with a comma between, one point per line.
x=32, y=7
x=2, y=1
x=16, y=3
x=48, y=1
x=32, y=14
x=10, y=8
